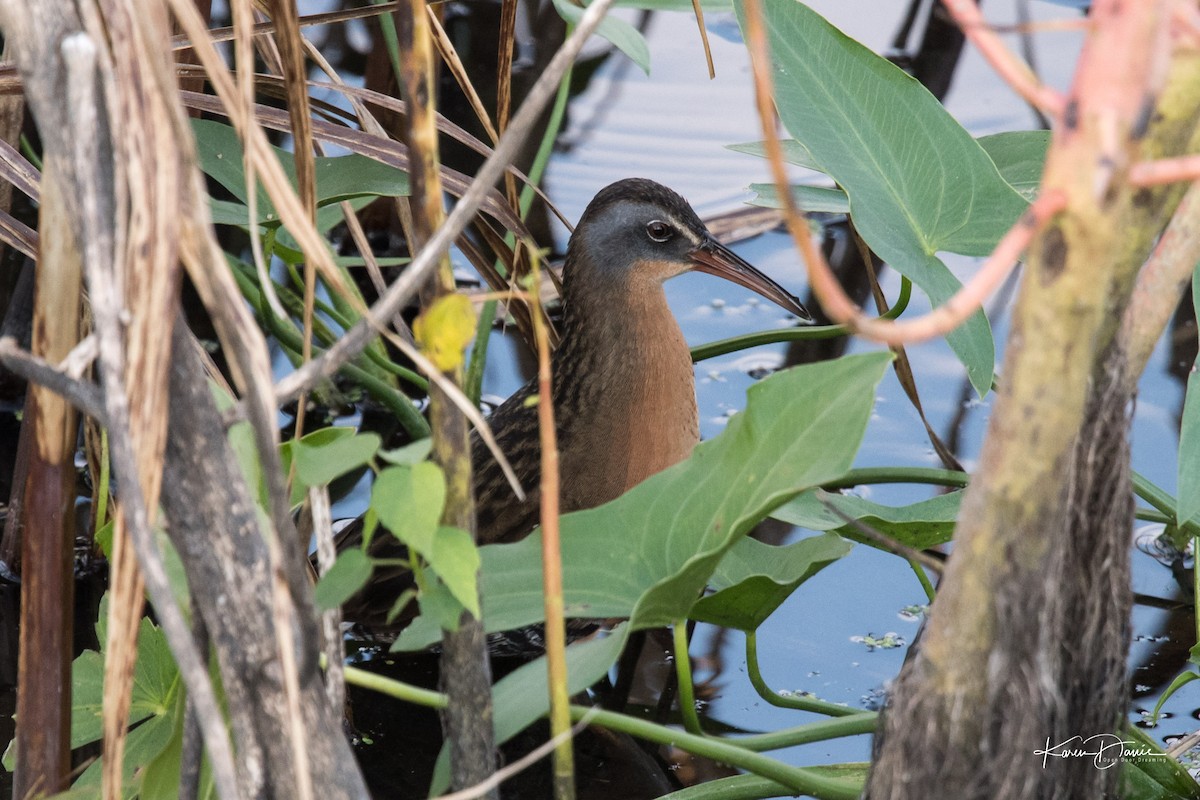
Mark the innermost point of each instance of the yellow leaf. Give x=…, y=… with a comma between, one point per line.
x=444, y=330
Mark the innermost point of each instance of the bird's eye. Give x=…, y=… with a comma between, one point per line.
x=659, y=231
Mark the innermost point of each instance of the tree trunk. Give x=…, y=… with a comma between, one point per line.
x=1026, y=642
x=214, y=526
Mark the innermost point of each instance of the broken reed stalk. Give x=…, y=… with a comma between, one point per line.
x=48, y=532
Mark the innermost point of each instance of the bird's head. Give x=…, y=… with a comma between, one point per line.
x=636, y=230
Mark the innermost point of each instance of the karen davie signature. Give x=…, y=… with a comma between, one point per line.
x=1105, y=750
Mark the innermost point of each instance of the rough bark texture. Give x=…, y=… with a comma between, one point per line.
x=215, y=527
x=1026, y=643
x=466, y=673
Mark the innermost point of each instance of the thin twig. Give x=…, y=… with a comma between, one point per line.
x=699, y=12
x=1015, y=72
x=19, y=172
x=331, y=620
x=83, y=395
x=17, y=234
x=1184, y=744
x=1161, y=282
x=889, y=543
x=217, y=35
x=836, y=304
x=1165, y=170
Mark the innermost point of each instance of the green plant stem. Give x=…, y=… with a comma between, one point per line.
x=793, y=702
x=930, y=593
x=343, y=321
x=387, y=26
x=473, y=382
x=1163, y=511
x=742, y=753
x=289, y=337
x=798, y=779
x=857, y=724
x=736, y=787
x=736, y=343
x=546, y=147
x=394, y=688
x=1162, y=501
x=397, y=402
x=105, y=481
x=1151, y=515
x=359, y=261
x=683, y=676
x=929, y=475
x=30, y=154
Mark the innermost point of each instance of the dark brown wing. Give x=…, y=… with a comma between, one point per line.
x=499, y=515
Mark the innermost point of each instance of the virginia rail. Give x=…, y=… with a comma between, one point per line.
x=623, y=385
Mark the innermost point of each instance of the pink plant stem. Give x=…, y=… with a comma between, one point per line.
x=1015, y=72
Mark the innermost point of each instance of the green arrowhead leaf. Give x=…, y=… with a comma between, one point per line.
x=338, y=178
x=1020, y=157
x=321, y=460
x=620, y=33
x=648, y=554
x=917, y=182
x=810, y=199
x=794, y=152
x=753, y=579
x=409, y=454
x=920, y=525
x=155, y=703
x=142, y=746
x=439, y=606
x=520, y=697
x=155, y=683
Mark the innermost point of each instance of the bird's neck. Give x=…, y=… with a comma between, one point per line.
x=626, y=338
x=625, y=388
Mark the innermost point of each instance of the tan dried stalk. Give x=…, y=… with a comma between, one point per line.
x=149, y=177
x=44, y=668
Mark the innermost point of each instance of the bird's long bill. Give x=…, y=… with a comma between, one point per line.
x=717, y=259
